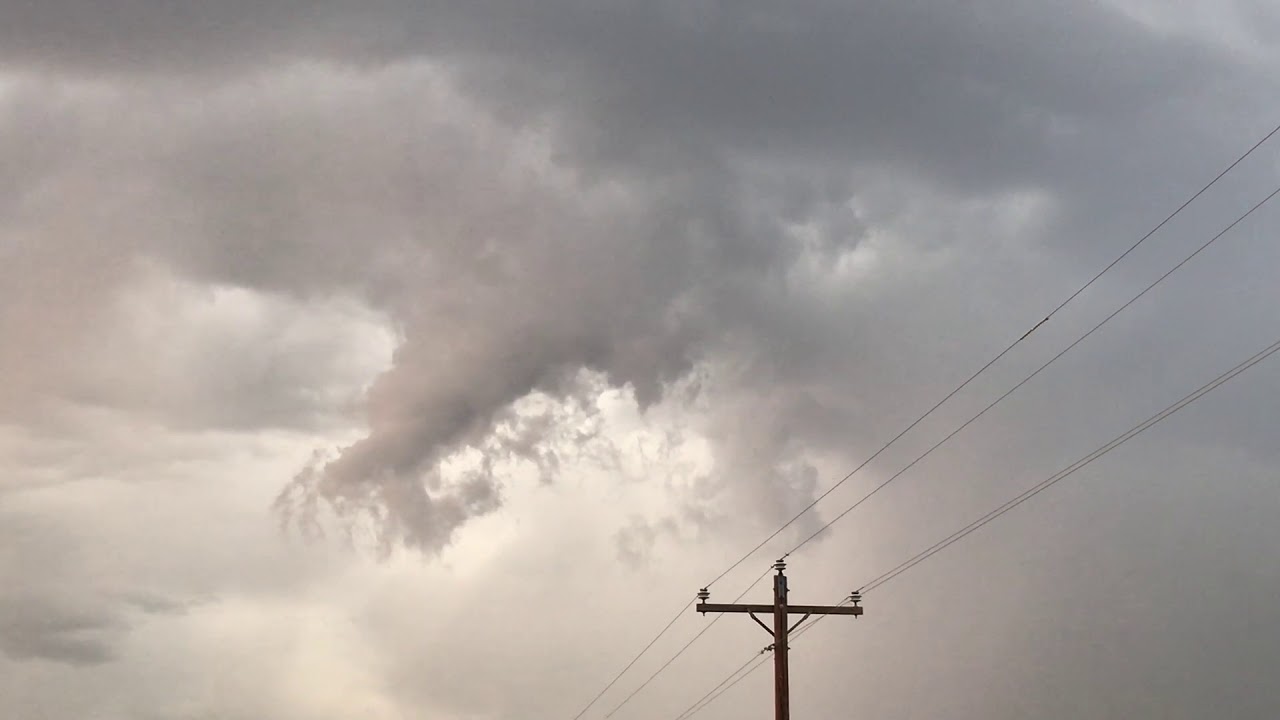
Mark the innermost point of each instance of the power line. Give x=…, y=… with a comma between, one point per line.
x=1072, y=468
x=921, y=418
x=1038, y=370
x=738, y=674
x=1163, y=222
x=687, y=645
x=635, y=659
x=759, y=659
x=1241, y=218
x=1001, y=354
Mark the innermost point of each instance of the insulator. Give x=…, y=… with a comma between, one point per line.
x=704, y=594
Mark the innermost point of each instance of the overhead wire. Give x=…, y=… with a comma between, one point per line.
x=1230, y=226
x=1168, y=218
x=686, y=646
x=742, y=671
x=635, y=659
x=1037, y=371
x=759, y=659
x=1071, y=469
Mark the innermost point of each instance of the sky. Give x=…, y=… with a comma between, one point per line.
x=420, y=360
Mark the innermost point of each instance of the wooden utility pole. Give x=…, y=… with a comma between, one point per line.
x=780, y=631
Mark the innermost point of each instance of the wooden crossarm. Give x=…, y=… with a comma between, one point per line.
x=768, y=609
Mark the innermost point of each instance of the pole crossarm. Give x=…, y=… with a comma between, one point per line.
x=768, y=609
x=781, y=611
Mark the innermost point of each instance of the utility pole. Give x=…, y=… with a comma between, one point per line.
x=781, y=610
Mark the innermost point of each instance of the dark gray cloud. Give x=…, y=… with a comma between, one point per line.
x=635, y=305
x=33, y=628
x=975, y=96
x=48, y=613
x=74, y=631
x=701, y=137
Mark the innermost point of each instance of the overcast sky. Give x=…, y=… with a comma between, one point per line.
x=418, y=360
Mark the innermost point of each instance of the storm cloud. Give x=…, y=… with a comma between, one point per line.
x=636, y=279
